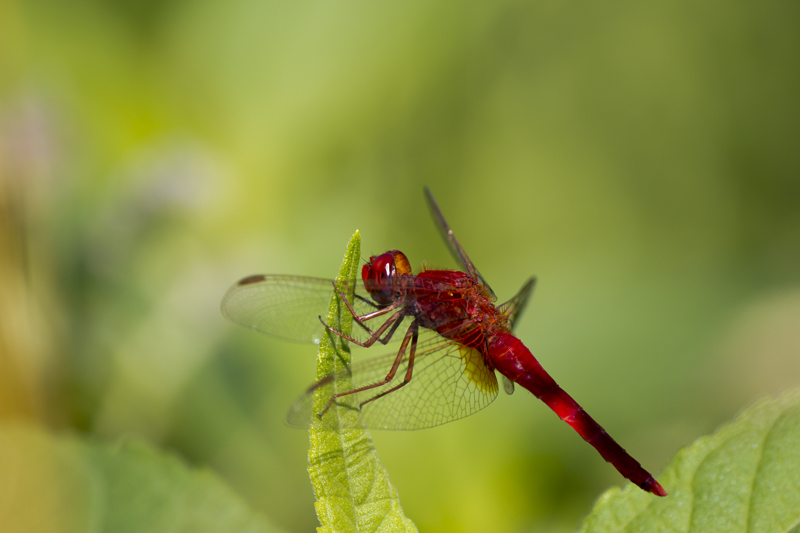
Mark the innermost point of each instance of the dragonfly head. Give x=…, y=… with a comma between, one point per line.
x=380, y=275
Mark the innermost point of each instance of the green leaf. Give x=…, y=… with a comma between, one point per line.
x=744, y=478
x=67, y=484
x=352, y=486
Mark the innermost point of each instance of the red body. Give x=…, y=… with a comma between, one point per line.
x=466, y=314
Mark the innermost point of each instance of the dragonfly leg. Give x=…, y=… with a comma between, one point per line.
x=411, y=336
x=386, y=338
x=367, y=316
x=393, y=320
x=366, y=301
x=360, y=319
x=409, y=372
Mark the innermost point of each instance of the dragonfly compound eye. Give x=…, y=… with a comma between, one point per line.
x=378, y=277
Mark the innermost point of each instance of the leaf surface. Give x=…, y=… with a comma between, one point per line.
x=351, y=485
x=745, y=478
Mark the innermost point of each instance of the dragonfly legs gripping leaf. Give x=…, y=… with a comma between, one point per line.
x=411, y=337
x=375, y=336
x=392, y=322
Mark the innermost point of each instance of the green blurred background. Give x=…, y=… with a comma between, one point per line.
x=642, y=160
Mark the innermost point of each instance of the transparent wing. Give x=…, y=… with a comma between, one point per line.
x=287, y=307
x=508, y=386
x=455, y=248
x=516, y=305
x=449, y=381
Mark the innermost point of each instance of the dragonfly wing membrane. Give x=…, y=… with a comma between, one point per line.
x=448, y=382
x=508, y=386
x=452, y=243
x=516, y=305
x=287, y=307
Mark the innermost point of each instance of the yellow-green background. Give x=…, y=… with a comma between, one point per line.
x=642, y=160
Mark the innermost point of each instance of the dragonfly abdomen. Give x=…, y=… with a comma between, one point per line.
x=513, y=359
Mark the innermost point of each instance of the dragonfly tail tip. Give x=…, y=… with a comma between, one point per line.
x=657, y=489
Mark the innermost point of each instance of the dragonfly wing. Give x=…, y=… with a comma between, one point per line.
x=452, y=243
x=508, y=386
x=287, y=307
x=448, y=382
x=516, y=305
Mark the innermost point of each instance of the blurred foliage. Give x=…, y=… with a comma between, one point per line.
x=64, y=484
x=640, y=159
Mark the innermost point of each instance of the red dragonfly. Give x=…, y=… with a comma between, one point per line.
x=455, y=339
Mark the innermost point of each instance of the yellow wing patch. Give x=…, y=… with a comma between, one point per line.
x=476, y=370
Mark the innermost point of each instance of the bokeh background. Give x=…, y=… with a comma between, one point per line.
x=642, y=160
